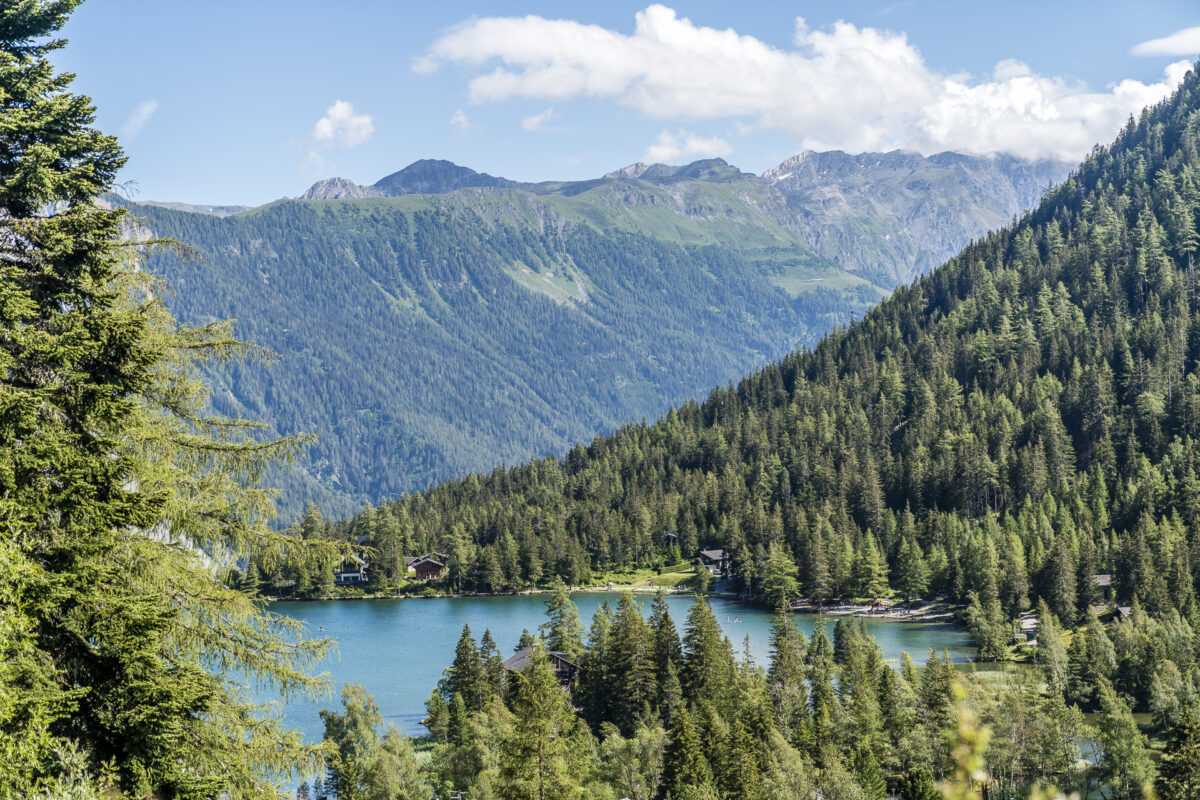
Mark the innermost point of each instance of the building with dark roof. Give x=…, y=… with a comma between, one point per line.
x=564, y=668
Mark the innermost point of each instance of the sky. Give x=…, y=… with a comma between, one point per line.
x=246, y=101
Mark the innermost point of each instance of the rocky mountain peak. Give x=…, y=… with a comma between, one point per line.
x=339, y=189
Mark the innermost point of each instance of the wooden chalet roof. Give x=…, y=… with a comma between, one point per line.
x=520, y=660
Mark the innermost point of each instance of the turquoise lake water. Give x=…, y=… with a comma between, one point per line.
x=397, y=649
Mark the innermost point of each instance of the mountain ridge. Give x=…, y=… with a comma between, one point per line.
x=715, y=274
x=1001, y=432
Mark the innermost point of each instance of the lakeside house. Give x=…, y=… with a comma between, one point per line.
x=716, y=560
x=352, y=570
x=429, y=567
x=564, y=668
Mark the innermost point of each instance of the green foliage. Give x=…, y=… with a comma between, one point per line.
x=562, y=630
x=540, y=757
x=120, y=496
x=1179, y=770
x=779, y=584
x=917, y=784
x=1125, y=762
x=360, y=765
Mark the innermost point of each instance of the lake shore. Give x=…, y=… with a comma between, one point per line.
x=934, y=611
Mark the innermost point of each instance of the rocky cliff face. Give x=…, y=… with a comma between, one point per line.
x=893, y=216
x=339, y=189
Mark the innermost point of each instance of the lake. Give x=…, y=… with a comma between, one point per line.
x=397, y=649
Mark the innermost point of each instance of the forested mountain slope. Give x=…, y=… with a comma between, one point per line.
x=426, y=336
x=487, y=322
x=1021, y=419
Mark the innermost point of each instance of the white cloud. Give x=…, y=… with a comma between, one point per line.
x=672, y=146
x=538, y=121
x=342, y=127
x=137, y=119
x=459, y=120
x=1185, y=42
x=843, y=87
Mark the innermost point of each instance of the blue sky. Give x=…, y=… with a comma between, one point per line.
x=245, y=102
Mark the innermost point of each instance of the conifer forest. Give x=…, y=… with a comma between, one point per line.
x=1011, y=440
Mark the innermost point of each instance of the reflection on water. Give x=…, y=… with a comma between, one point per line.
x=397, y=649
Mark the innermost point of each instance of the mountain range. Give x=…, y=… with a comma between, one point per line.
x=480, y=321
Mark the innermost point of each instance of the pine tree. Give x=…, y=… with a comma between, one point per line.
x=251, y=582
x=820, y=679
x=917, y=784
x=685, y=768
x=492, y=666
x=594, y=684
x=1124, y=762
x=868, y=773
x=1060, y=582
x=632, y=663
x=670, y=694
x=124, y=641
x=465, y=676
x=527, y=640
x=538, y=758
x=1179, y=769
x=707, y=658
x=562, y=631
x=911, y=575
x=786, y=677
x=779, y=583
x=870, y=570
x=667, y=647
x=437, y=717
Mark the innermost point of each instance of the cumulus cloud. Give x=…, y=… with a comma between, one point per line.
x=459, y=120
x=843, y=87
x=1185, y=42
x=137, y=119
x=341, y=127
x=538, y=121
x=673, y=146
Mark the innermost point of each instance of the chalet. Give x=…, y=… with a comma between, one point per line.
x=564, y=668
x=428, y=569
x=352, y=570
x=717, y=561
x=1103, y=581
x=1125, y=612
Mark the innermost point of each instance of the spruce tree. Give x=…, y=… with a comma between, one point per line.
x=492, y=665
x=685, y=769
x=667, y=648
x=779, y=585
x=1179, y=769
x=707, y=658
x=539, y=758
x=1124, y=760
x=868, y=773
x=917, y=784
x=787, y=675
x=114, y=479
x=465, y=676
x=562, y=631
x=634, y=688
